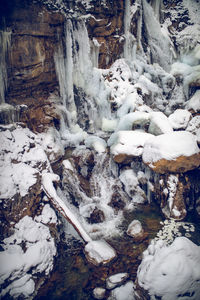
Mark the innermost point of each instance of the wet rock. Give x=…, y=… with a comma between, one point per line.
x=99, y=293
x=116, y=201
x=135, y=230
x=97, y=216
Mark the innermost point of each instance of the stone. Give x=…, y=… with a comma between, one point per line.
x=116, y=280
x=135, y=230
x=99, y=293
x=99, y=252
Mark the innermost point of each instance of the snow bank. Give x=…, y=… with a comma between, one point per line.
x=128, y=142
x=169, y=146
x=16, y=262
x=171, y=272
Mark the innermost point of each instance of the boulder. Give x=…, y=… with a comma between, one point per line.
x=176, y=152
x=135, y=230
x=115, y=280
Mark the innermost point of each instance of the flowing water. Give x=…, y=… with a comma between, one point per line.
x=74, y=278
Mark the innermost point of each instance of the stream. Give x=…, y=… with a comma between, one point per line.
x=74, y=278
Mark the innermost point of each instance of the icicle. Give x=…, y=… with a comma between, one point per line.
x=5, y=39
x=130, y=41
x=64, y=68
x=94, y=45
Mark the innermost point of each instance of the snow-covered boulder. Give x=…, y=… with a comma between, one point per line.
x=159, y=124
x=115, y=280
x=127, y=144
x=99, y=293
x=171, y=272
x=132, y=120
x=173, y=152
x=180, y=118
x=99, y=252
x=135, y=230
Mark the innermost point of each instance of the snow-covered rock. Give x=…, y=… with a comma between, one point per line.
x=172, y=152
x=124, y=292
x=96, y=143
x=134, y=119
x=180, y=118
x=127, y=144
x=30, y=250
x=135, y=229
x=99, y=293
x=115, y=280
x=171, y=272
x=159, y=124
x=99, y=252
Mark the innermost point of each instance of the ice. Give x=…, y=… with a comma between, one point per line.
x=96, y=143
x=170, y=272
x=159, y=124
x=169, y=146
x=131, y=186
x=67, y=165
x=194, y=102
x=5, y=39
x=180, y=118
x=128, y=142
x=24, y=286
x=160, y=44
x=108, y=125
x=133, y=119
x=124, y=292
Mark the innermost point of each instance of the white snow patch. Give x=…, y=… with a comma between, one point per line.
x=180, y=118
x=171, y=271
x=124, y=292
x=169, y=146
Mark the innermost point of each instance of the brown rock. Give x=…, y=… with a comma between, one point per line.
x=179, y=165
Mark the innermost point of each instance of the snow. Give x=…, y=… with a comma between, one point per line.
x=47, y=184
x=96, y=143
x=108, y=125
x=124, y=292
x=194, y=127
x=132, y=119
x=15, y=263
x=99, y=293
x=99, y=252
x=180, y=118
x=67, y=165
x=48, y=216
x=169, y=146
x=170, y=272
x=128, y=142
x=194, y=102
x=115, y=280
x=159, y=124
